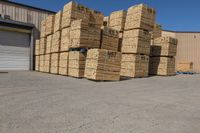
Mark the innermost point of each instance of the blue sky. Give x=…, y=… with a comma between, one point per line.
x=180, y=15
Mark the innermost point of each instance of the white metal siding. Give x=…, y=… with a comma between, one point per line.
x=14, y=50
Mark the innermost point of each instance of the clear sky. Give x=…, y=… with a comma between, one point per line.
x=179, y=15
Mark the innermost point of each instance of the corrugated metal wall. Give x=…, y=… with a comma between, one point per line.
x=188, y=47
x=23, y=14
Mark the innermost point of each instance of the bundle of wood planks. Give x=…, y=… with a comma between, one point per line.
x=109, y=39
x=157, y=31
x=43, y=29
x=134, y=65
x=55, y=46
x=63, y=63
x=41, y=62
x=162, y=61
x=136, y=41
x=42, y=46
x=37, y=47
x=37, y=62
x=74, y=11
x=47, y=63
x=54, y=63
x=103, y=65
x=48, y=44
x=50, y=25
x=76, y=66
x=84, y=34
x=117, y=20
x=140, y=16
x=163, y=66
x=185, y=66
x=57, y=22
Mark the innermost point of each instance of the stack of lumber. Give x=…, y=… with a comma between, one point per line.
x=55, y=47
x=42, y=46
x=65, y=40
x=54, y=63
x=164, y=46
x=136, y=41
x=162, y=61
x=41, y=68
x=117, y=20
x=49, y=43
x=43, y=29
x=63, y=63
x=185, y=67
x=157, y=31
x=163, y=66
x=76, y=64
x=47, y=63
x=120, y=41
x=109, y=39
x=140, y=16
x=37, y=47
x=49, y=25
x=103, y=65
x=73, y=11
x=134, y=65
x=57, y=22
x=37, y=63
x=106, y=21
x=84, y=34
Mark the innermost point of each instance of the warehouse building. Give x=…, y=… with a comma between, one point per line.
x=188, y=47
x=19, y=27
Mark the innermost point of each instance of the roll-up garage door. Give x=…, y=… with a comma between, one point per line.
x=14, y=50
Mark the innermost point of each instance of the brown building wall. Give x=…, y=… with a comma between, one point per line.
x=188, y=47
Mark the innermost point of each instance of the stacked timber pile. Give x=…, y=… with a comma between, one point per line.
x=162, y=60
x=117, y=20
x=42, y=46
x=84, y=34
x=135, y=65
x=136, y=42
x=63, y=63
x=49, y=25
x=185, y=67
x=41, y=67
x=48, y=44
x=57, y=22
x=81, y=42
x=109, y=39
x=76, y=64
x=47, y=63
x=54, y=63
x=103, y=64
